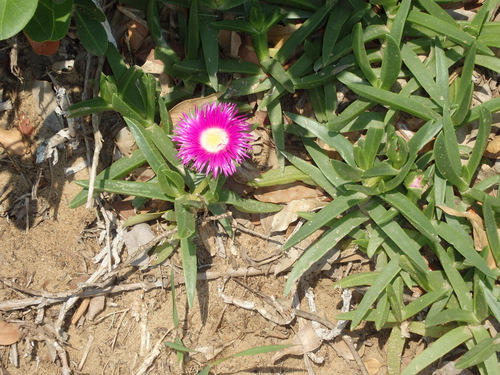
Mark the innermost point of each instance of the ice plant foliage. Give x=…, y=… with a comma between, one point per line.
x=214, y=138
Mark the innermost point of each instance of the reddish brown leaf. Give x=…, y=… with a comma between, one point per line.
x=9, y=333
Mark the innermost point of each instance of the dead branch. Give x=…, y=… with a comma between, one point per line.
x=44, y=299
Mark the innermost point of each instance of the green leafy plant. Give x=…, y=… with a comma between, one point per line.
x=49, y=20
x=135, y=95
x=404, y=202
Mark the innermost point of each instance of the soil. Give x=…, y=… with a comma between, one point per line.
x=54, y=251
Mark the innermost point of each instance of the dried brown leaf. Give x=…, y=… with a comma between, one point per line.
x=9, y=333
x=493, y=148
x=478, y=231
x=372, y=365
x=189, y=105
x=286, y=193
x=280, y=221
x=278, y=34
x=12, y=141
x=96, y=306
x=306, y=340
x=125, y=142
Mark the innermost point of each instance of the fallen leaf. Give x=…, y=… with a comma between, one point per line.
x=306, y=340
x=493, y=148
x=12, y=141
x=137, y=236
x=96, y=306
x=285, y=193
x=247, y=52
x=372, y=365
x=136, y=34
x=187, y=106
x=9, y=333
x=478, y=231
x=340, y=346
x=125, y=142
x=280, y=221
x=152, y=65
x=230, y=42
x=278, y=34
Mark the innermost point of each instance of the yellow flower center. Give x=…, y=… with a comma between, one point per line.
x=214, y=139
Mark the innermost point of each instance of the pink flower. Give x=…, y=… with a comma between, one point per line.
x=214, y=138
x=417, y=182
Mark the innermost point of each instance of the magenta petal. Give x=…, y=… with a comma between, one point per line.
x=213, y=139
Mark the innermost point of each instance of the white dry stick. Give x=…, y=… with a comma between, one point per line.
x=346, y=305
x=144, y=330
x=86, y=351
x=107, y=221
x=96, y=120
x=14, y=355
x=152, y=355
x=63, y=356
x=72, y=300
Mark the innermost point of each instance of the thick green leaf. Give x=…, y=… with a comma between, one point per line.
x=491, y=300
x=117, y=170
x=348, y=173
x=193, y=36
x=323, y=162
x=307, y=28
x=313, y=172
x=420, y=72
x=481, y=142
x=129, y=188
x=329, y=240
x=14, y=15
x=276, y=70
x=394, y=101
x=463, y=244
x=453, y=33
x=400, y=20
x=186, y=220
x=422, y=302
x=438, y=349
x=447, y=156
x=399, y=237
x=210, y=46
x=378, y=285
x=479, y=353
x=395, y=347
x=88, y=107
x=246, y=205
x=277, y=177
x=50, y=21
x=491, y=228
x=411, y=213
x=452, y=315
x=335, y=140
x=189, y=267
x=456, y=280
x=332, y=31
x=91, y=32
x=275, y=115
x=358, y=47
x=146, y=145
x=354, y=110
x=357, y=279
x=142, y=218
x=391, y=63
x=332, y=210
